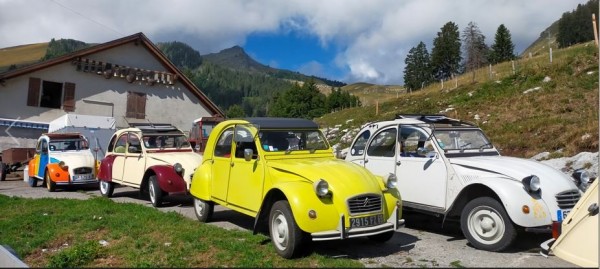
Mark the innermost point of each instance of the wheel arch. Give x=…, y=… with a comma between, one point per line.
x=261, y=224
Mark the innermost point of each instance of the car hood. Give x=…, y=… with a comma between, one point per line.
x=514, y=168
x=343, y=177
x=74, y=159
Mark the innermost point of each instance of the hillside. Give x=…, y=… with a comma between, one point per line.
x=540, y=107
x=21, y=55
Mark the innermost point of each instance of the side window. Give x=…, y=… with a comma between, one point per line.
x=38, y=147
x=111, y=144
x=134, y=144
x=121, y=144
x=359, y=145
x=223, y=146
x=383, y=144
x=412, y=139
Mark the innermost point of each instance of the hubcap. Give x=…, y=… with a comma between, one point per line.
x=199, y=207
x=280, y=232
x=103, y=186
x=152, y=192
x=486, y=225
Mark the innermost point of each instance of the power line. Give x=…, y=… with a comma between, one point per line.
x=85, y=17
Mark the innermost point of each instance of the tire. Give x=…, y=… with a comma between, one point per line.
x=486, y=225
x=203, y=209
x=33, y=182
x=156, y=194
x=2, y=171
x=50, y=185
x=382, y=237
x=286, y=236
x=107, y=188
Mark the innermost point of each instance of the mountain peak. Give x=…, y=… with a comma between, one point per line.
x=235, y=58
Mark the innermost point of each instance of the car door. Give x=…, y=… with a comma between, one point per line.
x=221, y=164
x=119, y=162
x=380, y=157
x=135, y=163
x=245, y=177
x=421, y=177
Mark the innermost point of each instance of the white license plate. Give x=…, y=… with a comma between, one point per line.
x=366, y=221
x=562, y=214
x=83, y=177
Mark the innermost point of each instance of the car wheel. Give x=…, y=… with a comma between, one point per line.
x=155, y=192
x=203, y=209
x=486, y=225
x=2, y=171
x=50, y=185
x=382, y=237
x=107, y=188
x=285, y=233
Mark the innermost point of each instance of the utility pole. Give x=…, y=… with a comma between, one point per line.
x=595, y=29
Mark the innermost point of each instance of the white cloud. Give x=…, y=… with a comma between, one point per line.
x=373, y=36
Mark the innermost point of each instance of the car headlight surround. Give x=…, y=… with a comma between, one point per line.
x=581, y=176
x=321, y=188
x=178, y=168
x=63, y=165
x=531, y=183
x=391, y=181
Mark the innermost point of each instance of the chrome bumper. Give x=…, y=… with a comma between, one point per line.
x=393, y=223
x=546, y=245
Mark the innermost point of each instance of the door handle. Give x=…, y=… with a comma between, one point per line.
x=366, y=160
x=398, y=162
x=231, y=164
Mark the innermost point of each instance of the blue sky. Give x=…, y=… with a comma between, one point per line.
x=345, y=40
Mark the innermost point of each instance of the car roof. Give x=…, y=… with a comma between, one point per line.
x=282, y=123
x=438, y=121
x=63, y=135
x=152, y=128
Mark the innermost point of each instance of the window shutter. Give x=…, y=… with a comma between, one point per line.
x=131, y=103
x=33, y=96
x=69, y=98
x=141, y=106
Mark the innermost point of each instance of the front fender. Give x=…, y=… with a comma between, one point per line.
x=57, y=174
x=201, y=181
x=302, y=198
x=168, y=179
x=513, y=197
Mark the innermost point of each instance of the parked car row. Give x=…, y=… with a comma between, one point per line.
x=283, y=173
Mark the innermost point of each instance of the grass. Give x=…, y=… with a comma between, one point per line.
x=22, y=55
x=558, y=114
x=69, y=233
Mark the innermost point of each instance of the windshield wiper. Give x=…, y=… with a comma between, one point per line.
x=486, y=145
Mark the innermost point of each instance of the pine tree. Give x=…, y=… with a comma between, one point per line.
x=417, y=72
x=503, y=48
x=445, y=54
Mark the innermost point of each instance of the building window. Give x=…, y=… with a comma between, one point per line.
x=49, y=94
x=136, y=105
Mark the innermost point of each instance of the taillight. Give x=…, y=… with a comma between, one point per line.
x=556, y=229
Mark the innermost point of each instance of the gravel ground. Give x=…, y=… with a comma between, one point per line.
x=422, y=243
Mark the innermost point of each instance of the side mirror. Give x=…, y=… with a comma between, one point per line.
x=248, y=154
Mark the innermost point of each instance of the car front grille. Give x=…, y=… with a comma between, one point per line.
x=363, y=204
x=567, y=199
x=82, y=170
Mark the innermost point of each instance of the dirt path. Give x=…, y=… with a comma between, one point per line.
x=422, y=243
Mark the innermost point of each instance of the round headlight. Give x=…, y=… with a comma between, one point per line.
x=178, y=167
x=584, y=177
x=391, y=181
x=534, y=184
x=321, y=188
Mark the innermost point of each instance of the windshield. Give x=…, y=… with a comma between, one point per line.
x=462, y=139
x=162, y=141
x=68, y=144
x=292, y=140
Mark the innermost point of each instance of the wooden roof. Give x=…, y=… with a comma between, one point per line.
x=138, y=38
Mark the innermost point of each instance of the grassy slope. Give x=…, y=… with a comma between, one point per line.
x=561, y=115
x=21, y=55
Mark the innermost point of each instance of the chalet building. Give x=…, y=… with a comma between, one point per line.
x=129, y=79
